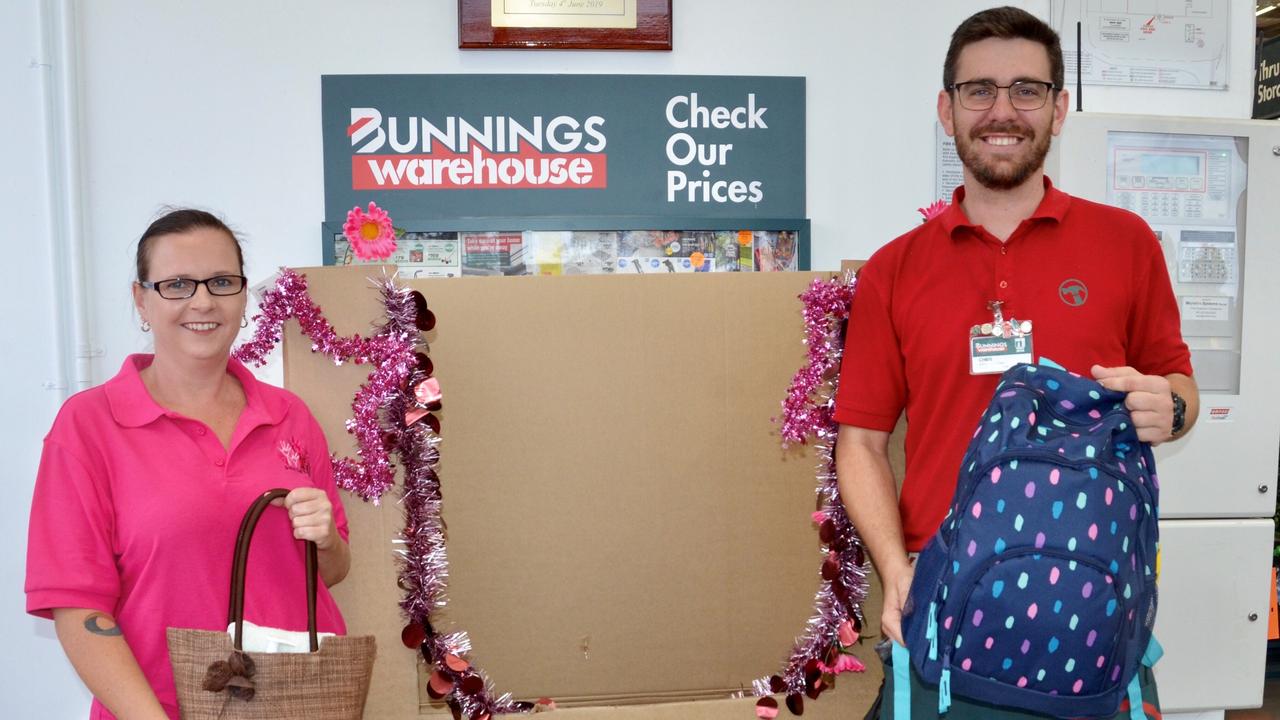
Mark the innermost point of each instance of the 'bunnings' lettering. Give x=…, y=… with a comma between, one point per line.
x=496, y=133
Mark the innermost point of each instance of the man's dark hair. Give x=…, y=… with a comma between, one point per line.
x=180, y=221
x=1006, y=23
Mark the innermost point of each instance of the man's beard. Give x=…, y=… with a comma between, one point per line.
x=1002, y=174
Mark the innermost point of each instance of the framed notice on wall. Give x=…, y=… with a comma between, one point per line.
x=565, y=24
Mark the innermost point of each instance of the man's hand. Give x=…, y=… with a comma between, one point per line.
x=896, y=589
x=1147, y=397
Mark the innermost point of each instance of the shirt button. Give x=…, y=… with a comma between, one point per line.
x=1004, y=250
x=219, y=462
x=200, y=431
x=1004, y=284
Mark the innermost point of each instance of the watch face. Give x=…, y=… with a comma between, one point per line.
x=1179, y=413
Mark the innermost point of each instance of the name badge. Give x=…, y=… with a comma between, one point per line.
x=1000, y=344
x=993, y=355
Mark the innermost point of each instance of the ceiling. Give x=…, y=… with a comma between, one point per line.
x=1268, y=22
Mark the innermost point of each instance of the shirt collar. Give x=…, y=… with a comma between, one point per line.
x=1053, y=206
x=132, y=406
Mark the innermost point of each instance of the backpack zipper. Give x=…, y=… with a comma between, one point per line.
x=1051, y=457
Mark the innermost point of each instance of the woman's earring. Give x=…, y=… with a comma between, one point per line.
x=146, y=326
x=244, y=321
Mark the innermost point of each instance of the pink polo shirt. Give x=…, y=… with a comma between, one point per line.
x=136, y=511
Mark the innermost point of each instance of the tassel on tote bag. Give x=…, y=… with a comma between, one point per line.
x=216, y=679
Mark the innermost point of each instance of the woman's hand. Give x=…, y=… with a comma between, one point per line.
x=311, y=515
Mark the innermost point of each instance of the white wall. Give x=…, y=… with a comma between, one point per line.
x=35, y=678
x=217, y=104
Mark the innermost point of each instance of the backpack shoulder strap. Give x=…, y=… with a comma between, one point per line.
x=1149, y=658
x=901, y=683
x=1154, y=652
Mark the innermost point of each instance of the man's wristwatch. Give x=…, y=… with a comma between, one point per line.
x=1179, y=414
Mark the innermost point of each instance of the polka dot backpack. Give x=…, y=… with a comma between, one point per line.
x=1038, y=592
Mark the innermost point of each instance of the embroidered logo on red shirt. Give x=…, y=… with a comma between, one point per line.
x=1073, y=292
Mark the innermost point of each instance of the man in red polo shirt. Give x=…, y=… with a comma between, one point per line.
x=1087, y=283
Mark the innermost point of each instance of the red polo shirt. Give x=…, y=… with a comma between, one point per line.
x=1091, y=278
x=136, y=511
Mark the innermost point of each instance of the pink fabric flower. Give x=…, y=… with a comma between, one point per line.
x=370, y=233
x=844, y=663
x=937, y=208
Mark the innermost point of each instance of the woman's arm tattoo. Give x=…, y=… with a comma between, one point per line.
x=92, y=624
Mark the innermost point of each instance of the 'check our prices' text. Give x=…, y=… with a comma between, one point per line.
x=684, y=112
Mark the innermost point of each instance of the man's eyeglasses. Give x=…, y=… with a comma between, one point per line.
x=1023, y=94
x=183, y=288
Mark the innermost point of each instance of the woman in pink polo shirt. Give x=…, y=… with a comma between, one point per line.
x=144, y=479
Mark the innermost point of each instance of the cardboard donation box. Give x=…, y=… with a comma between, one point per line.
x=625, y=533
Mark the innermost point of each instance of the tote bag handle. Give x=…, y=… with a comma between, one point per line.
x=235, y=612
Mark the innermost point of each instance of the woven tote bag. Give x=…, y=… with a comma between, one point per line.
x=217, y=680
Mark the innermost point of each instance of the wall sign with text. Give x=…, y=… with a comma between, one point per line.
x=436, y=146
x=1266, y=80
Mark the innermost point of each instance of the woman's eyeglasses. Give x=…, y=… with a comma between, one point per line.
x=183, y=288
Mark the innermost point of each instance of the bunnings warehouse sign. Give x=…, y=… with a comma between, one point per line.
x=432, y=146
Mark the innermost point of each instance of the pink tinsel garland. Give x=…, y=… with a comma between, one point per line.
x=807, y=412
x=390, y=349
